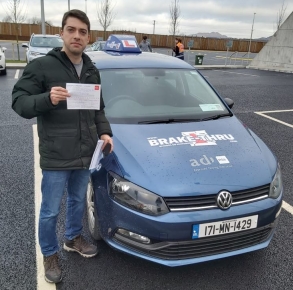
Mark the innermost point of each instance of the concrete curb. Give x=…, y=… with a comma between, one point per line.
x=276, y=69
x=15, y=65
x=219, y=66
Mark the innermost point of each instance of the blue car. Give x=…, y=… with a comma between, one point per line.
x=187, y=181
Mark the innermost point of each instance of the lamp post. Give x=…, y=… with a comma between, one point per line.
x=251, y=35
x=85, y=6
x=68, y=5
x=154, y=26
x=43, y=17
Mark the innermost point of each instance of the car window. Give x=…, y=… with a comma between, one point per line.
x=135, y=95
x=98, y=45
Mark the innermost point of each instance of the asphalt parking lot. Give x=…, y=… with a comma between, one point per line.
x=263, y=101
x=213, y=57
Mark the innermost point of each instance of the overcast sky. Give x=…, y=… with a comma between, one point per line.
x=229, y=17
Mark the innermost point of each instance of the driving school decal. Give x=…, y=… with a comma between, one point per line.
x=193, y=138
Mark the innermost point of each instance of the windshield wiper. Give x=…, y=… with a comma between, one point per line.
x=167, y=121
x=215, y=117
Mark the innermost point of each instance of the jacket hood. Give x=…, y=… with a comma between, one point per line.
x=185, y=158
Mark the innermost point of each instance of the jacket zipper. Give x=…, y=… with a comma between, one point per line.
x=74, y=72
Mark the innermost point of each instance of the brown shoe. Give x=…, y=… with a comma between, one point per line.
x=52, y=269
x=81, y=246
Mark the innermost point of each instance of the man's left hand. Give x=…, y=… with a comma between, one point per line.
x=107, y=139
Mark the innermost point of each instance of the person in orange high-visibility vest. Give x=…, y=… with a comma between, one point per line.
x=179, y=49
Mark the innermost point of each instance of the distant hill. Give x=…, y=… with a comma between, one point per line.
x=263, y=38
x=210, y=35
x=219, y=35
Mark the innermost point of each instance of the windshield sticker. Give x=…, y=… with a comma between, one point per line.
x=193, y=138
x=211, y=107
x=210, y=163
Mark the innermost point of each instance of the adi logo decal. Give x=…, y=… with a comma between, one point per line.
x=210, y=163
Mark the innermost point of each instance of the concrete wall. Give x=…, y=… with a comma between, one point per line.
x=277, y=54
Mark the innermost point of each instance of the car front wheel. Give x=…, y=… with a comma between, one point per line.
x=93, y=221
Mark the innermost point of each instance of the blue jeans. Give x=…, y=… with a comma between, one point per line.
x=53, y=187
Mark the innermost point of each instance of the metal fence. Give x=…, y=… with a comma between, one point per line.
x=8, y=31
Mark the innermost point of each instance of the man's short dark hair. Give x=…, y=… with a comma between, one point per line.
x=144, y=37
x=76, y=14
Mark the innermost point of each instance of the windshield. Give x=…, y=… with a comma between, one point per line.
x=141, y=95
x=47, y=42
x=98, y=45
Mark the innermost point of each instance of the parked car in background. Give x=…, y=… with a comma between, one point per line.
x=96, y=46
x=187, y=181
x=2, y=60
x=40, y=44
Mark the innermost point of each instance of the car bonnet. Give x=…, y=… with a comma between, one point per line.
x=185, y=158
x=42, y=50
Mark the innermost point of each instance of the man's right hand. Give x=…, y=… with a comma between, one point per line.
x=58, y=94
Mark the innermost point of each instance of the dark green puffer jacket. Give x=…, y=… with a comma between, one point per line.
x=67, y=137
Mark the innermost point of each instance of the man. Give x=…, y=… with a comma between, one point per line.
x=67, y=137
x=179, y=49
x=145, y=45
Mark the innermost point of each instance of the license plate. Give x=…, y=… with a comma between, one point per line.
x=224, y=227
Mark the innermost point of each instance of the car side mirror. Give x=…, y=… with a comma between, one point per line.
x=4, y=48
x=229, y=102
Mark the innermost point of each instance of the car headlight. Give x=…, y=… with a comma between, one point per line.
x=135, y=197
x=34, y=53
x=276, y=185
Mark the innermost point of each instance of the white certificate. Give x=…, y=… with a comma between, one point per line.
x=83, y=96
x=97, y=156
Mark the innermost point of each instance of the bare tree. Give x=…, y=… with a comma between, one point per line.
x=105, y=14
x=7, y=18
x=281, y=15
x=15, y=9
x=36, y=20
x=174, y=17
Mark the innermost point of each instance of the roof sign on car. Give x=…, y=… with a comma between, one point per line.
x=122, y=43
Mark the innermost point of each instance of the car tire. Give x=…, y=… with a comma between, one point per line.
x=93, y=222
x=3, y=72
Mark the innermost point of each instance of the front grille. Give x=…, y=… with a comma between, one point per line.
x=201, y=247
x=209, y=201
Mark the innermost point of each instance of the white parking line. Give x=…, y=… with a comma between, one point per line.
x=263, y=114
x=285, y=205
x=230, y=72
x=41, y=283
x=16, y=74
